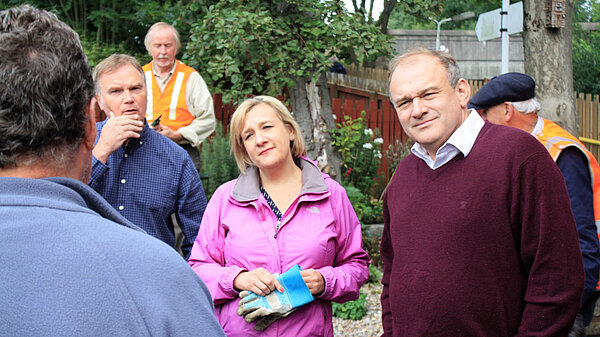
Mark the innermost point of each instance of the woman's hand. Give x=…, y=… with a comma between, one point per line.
x=314, y=281
x=258, y=281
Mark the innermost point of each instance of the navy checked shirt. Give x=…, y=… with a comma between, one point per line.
x=152, y=182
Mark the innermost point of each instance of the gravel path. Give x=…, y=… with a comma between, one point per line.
x=370, y=324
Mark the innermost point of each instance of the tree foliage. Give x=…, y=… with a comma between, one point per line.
x=586, y=48
x=109, y=26
x=261, y=47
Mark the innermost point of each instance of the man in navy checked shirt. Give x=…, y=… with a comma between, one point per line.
x=147, y=177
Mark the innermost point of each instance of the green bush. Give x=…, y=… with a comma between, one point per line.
x=218, y=164
x=372, y=244
x=353, y=310
x=360, y=149
x=368, y=209
x=374, y=274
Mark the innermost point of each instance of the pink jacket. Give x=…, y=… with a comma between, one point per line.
x=319, y=230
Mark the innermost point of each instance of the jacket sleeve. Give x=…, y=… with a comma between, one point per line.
x=387, y=257
x=200, y=104
x=545, y=232
x=573, y=165
x=350, y=268
x=208, y=258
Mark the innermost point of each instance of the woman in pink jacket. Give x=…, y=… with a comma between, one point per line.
x=280, y=212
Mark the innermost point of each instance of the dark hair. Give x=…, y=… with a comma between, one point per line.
x=45, y=88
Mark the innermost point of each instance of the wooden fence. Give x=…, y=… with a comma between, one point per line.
x=368, y=88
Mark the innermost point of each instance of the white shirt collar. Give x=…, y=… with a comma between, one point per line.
x=461, y=141
x=539, y=126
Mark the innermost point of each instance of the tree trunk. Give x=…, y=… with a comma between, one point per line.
x=311, y=106
x=548, y=59
x=384, y=17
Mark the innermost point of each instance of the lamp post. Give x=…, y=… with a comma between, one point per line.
x=458, y=17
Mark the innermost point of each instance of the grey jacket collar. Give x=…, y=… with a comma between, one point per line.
x=247, y=187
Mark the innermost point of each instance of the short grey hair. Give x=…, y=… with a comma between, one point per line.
x=453, y=71
x=112, y=63
x=157, y=26
x=529, y=106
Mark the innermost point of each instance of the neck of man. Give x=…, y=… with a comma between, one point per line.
x=163, y=72
x=431, y=151
x=79, y=168
x=525, y=122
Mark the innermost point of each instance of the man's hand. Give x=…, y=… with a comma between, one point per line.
x=258, y=281
x=115, y=132
x=169, y=133
x=314, y=281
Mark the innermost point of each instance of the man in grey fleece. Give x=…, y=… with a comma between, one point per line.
x=71, y=265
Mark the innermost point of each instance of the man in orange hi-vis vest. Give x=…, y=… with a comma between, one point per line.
x=509, y=100
x=180, y=106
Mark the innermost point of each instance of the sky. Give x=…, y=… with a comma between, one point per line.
x=377, y=7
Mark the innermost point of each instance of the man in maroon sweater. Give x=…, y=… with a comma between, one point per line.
x=476, y=241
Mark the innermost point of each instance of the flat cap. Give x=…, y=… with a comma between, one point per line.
x=509, y=87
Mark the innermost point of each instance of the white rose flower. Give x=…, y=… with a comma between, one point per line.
x=367, y=145
x=378, y=140
x=369, y=132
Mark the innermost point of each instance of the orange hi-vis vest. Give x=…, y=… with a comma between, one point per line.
x=170, y=104
x=556, y=139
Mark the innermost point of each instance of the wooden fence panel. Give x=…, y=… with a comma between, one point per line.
x=588, y=107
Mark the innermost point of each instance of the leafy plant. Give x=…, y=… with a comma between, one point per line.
x=360, y=150
x=353, y=310
x=374, y=274
x=218, y=164
x=368, y=209
x=372, y=244
x=395, y=153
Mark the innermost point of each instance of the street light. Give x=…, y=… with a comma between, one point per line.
x=458, y=17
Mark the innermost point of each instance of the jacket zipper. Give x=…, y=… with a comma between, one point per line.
x=277, y=229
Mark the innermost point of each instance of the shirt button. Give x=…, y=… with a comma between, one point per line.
x=125, y=155
x=121, y=207
x=123, y=181
x=141, y=142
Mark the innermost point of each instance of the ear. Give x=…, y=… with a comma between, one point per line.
x=291, y=131
x=509, y=112
x=463, y=92
x=90, y=125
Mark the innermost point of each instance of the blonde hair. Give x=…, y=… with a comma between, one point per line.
x=237, y=124
x=157, y=26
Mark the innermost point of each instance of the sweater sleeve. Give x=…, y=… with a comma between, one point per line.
x=350, y=267
x=207, y=258
x=549, y=248
x=387, y=256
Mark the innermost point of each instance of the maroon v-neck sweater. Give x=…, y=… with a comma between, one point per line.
x=485, y=245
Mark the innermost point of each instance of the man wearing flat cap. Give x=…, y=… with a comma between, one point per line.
x=509, y=99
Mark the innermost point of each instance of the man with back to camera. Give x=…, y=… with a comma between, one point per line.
x=475, y=242
x=509, y=99
x=146, y=177
x=177, y=94
x=72, y=266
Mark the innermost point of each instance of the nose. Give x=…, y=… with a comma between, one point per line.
x=127, y=96
x=260, y=139
x=418, y=107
